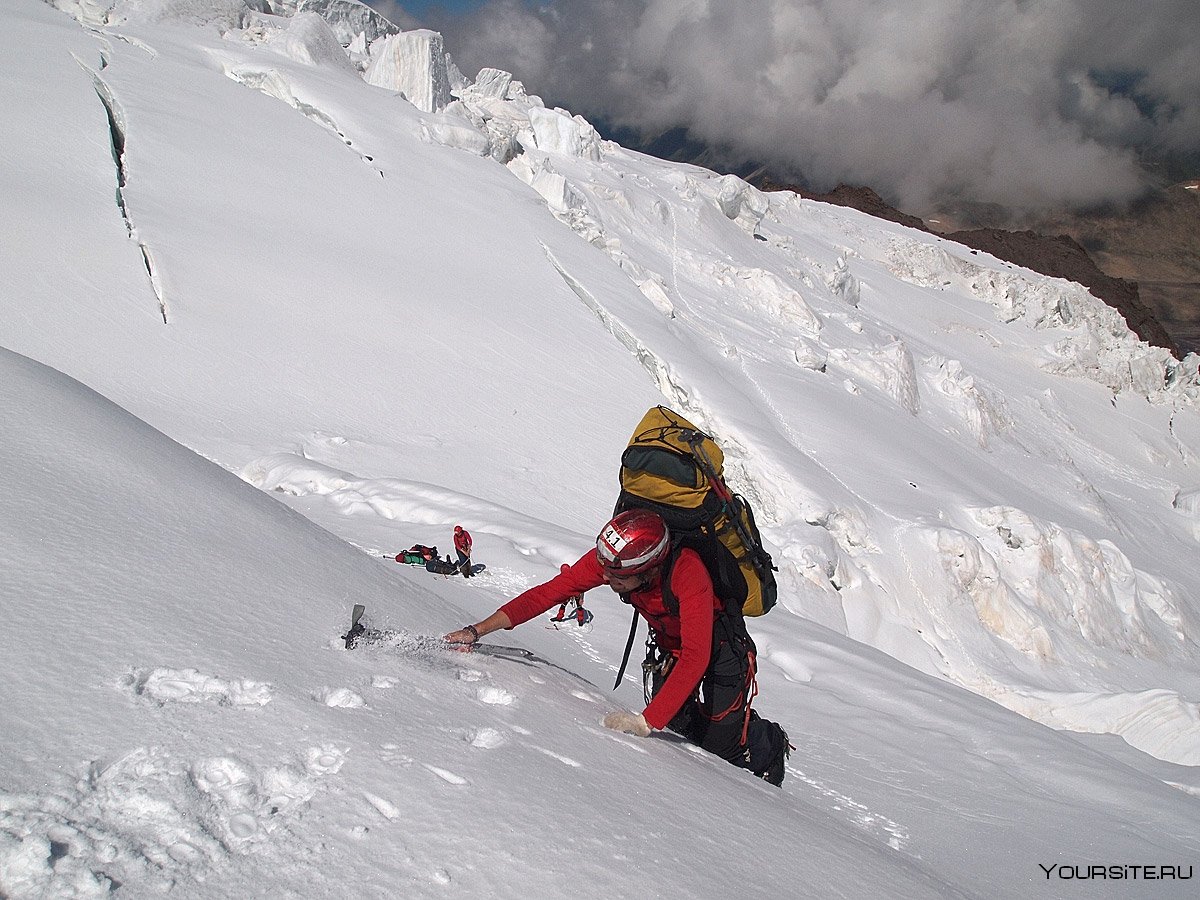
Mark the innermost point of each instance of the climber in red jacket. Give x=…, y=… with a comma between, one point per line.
x=703, y=665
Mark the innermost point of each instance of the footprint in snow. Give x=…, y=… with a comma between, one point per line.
x=487, y=738
x=342, y=698
x=245, y=803
x=226, y=780
x=163, y=686
x=159, y=819
x=324, y=760
x=496, y=696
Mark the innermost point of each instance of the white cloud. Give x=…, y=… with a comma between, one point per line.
x=1004, y=101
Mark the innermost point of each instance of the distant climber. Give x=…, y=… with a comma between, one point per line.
x=578, y=613
x=462, y=546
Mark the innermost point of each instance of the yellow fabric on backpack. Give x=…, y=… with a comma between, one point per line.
x=661, y=427
x=672, y=478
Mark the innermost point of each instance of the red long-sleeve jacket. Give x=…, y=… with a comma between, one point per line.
x=462, y=542
x=688, y=635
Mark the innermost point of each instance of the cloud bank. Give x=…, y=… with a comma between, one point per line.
x=1029, y=104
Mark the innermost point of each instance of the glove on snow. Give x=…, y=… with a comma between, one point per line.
x=630, y=723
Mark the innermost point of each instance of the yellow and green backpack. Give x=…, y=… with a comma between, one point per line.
x=676, y=470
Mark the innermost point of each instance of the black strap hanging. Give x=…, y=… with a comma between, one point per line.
x=628, y=650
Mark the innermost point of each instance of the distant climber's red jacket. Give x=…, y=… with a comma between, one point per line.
x=462, y=542
x=688, y=635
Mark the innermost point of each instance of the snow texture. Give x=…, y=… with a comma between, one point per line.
x=266, y=325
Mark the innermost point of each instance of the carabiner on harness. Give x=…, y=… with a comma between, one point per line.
x=655, y=668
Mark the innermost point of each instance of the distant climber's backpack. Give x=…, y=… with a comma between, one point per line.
x=674, y=469
x=417, y=555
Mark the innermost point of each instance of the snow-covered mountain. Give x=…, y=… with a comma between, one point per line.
x=294, y=250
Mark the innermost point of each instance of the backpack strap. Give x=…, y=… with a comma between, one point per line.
x=670, y=601
x=729, y=613
x=628, y=649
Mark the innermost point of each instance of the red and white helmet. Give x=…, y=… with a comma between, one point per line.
x=635, y=541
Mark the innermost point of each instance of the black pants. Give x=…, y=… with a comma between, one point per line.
x=715, y=717
x=464, y=564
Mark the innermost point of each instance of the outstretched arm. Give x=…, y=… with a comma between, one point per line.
x=582, y=576
x=497, y=621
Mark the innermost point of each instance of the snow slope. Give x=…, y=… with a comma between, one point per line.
x=397, y=319
x=182, y=719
